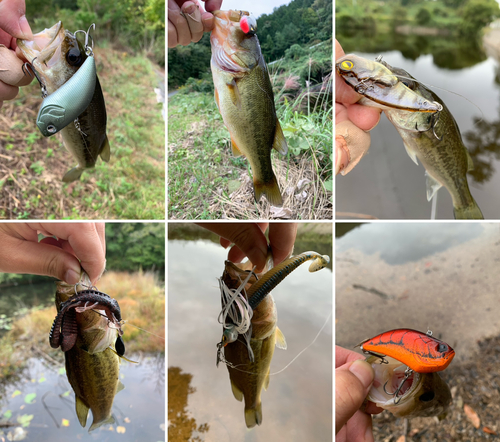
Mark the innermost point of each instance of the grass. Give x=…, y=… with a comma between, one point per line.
x=142, y=303
x=130, y=186
x=207, y=182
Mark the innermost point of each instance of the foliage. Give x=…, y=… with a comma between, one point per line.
x=477, y=14
x=134, y=246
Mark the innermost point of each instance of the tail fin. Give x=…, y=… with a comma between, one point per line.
x=253, y=416
x=270, y=189
x=472, y=211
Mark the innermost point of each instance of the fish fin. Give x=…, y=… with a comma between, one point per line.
x=72, y=175
x=234, y=93
x=82, y=411
x=105, y=150
x=279, y=140
x=236, y=150
x=216, y=96
x=472, y=211
x=238, y=395
x=266, y=381
x=109, y=420
x=411, y=154
x=280, y=339
x=470, y=163
x=270, y=189
x=120, y=387
x=432, y=186
x=253, y=416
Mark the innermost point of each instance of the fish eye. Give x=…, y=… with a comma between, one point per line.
x=442, y=348
x=347, y=65
x=74, y=57
x=427, y=396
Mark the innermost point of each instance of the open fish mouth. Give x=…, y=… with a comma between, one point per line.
x=45, y=46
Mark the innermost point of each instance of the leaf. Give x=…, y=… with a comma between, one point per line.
x=120, y=429
x=489, y=431
x=328, y=185
x=126, y=420
x=65, y=423
x=42, y=379
x=62, y=370
x=472, y=416
x=25, y=419
x=29, y=398
x=16, y=393
x=66, y=393
x=7, y=414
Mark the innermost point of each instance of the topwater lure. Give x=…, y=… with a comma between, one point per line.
x=419, y=351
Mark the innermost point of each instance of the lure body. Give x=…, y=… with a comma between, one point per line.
x=419, y=351
x=68, y=102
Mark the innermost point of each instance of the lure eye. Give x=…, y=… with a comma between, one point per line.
x=120, y=346
x=248, y=25
x=347, y=65
x=442, y=348
x=74, y=57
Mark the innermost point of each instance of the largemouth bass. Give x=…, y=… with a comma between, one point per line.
x=423, y=394
x=245, y=99
x=56, y=55
x=92, y=364
x=429, y=134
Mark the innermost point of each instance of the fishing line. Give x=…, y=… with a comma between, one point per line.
x=129, y=323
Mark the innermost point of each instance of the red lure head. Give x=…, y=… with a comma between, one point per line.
x=248, y=24
x=419, y=351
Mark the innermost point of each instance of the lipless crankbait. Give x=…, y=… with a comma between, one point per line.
x=419, y=351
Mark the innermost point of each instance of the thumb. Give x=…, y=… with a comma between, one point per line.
x=13, y=19
x=352, y=384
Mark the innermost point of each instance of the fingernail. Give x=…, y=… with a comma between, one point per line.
x=363, y=371
x=341, y=154
x=25, y=28
x=189, y=8
x=72, y=276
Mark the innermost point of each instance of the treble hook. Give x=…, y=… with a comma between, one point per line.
x=28, y=69
x=89, y=50
x=381, y=357
x=408, y=373
x=435, y=119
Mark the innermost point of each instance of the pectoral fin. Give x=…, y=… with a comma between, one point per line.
x=234, y=93
x=72, y=175
x=236, y=150
x=432, y=186
x=279, y=140
x=411, y=154
x=280, y=339
x=105, y=151
x=470, y=163
x=238, y=395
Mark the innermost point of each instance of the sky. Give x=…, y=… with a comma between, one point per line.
x=256, y=7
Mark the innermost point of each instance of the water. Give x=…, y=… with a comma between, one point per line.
x=387, y=184
x=139, y=409
x=297, y=404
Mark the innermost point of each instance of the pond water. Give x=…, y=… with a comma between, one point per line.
x=387, y=184
x=139, y=409
x=298, y=403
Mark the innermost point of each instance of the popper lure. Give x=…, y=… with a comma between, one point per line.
x=420, y=352
x=68, y=102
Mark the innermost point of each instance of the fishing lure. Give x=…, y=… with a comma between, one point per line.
x=68, y=102
x=419, y=351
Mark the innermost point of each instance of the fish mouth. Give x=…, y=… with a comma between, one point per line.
x=45, y=46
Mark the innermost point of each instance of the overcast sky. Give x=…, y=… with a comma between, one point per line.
x=256, y=7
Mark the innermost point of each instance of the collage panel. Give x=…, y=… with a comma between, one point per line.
x=244, y=364
x=250, y=110
x=432, y=69
x=82, y=331
x=418, y=302
x=82, y=125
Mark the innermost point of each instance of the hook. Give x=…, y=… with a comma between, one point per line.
x=89, y=50
x=408, y=373
x=28, y=69
x=382, y=358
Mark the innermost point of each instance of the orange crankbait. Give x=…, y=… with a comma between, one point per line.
x=419, y=351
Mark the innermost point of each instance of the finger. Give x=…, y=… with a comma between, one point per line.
x=192, y=14
x=282, y=238
x=248, y=238
x=342, y=156
x=213, y=5
x=179, y=22
x=352, y=383
x=8, y=92
x=101, y=232
x=208, y=21
x=13, y=19
x=11, y=68
x=343, y=92
x=359, y=427
x=173, y=40
x=366, y=118
x=343, y=356
x=355, y=140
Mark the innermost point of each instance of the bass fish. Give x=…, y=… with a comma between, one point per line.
x=422, y=395
x=429, y=131
x=55, y=56
x=245, y=99
x=92, y=363
x=249, y=368
x=419, y=351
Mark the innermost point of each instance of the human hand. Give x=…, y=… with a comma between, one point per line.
x=13, y=24
x=78, y=245
x=352, y=120
x=353, y=380
x=187, y=20
x=249, y=240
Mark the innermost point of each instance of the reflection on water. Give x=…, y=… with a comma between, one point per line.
x=387, y=184
x=400, y=243
x=139, y=409
x=297, y=404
